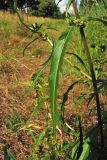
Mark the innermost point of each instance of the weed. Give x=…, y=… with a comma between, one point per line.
x=62, y=139
x=15, y=122
x=82, y=148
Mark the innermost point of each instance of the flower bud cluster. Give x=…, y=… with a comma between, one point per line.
x=77, y=22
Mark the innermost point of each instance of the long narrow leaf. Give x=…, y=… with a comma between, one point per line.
x=40, y=137
x=86, y=150
x=36, y=109
x=78, y=69
x=79, y=59
x=80, y=148
x=56, y=64
x=74, y=151
x=20, y=18
x=37, y=75
x=10, y=155
x=68, y=6
x=92, y=95
x=37, y=140
x=29, y=45
x=98, y=20
x=65, y=98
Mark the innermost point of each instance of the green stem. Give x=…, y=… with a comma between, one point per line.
x=87, y=52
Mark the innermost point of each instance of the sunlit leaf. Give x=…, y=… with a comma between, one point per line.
x=68, y=6
x=86, y=150
x=56, y=65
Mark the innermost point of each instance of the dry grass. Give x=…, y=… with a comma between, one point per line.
x=14, y=37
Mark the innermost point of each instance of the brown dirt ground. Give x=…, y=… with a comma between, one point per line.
x=14, y=80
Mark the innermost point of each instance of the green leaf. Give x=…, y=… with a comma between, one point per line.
x=46, y=157
x=68, y=6
x=98, y=20
x=40, y=137
x=74, y=151
x=64, y=147
x=20, y=18
x=29, y=45
x=56, y=65
x=65, y=98
x=79, y=59
x=86, y=150
x=37, y=75
x=37, y=108
x=37, y=140
x=33, y=137
x=92, y=95
x=10, y=155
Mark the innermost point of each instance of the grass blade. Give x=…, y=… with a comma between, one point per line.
x=68, y=6
x=79, y=59
x=40, y=137
x=80, y=148
x=10, y=155
x=56, y=64
x=65, y=98
x=20, y=18
x=86, y=150
x=36, y=109
x=37, y=75
x=98, y=20
x=37, y=140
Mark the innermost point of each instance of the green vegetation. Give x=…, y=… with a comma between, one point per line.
x=33, y=7
x=69, y=85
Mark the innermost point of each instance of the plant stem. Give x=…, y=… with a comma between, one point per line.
x=87, y=52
